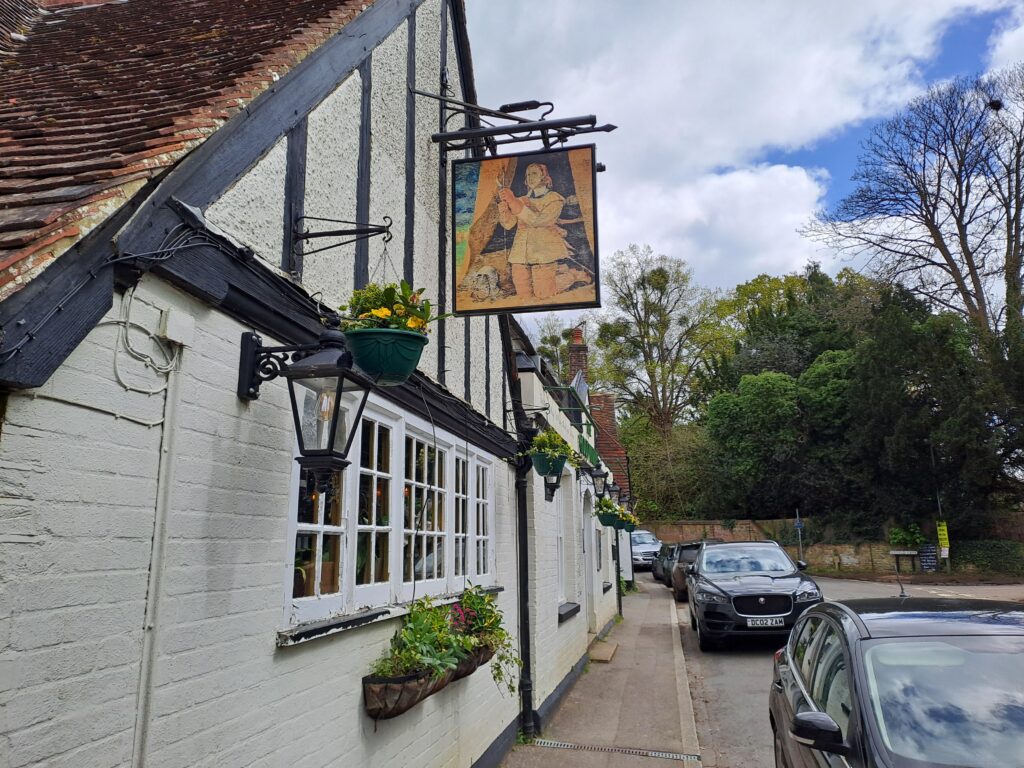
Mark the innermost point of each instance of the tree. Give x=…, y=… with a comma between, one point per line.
x=655, y=337
x=939, y=205
x=553, y=344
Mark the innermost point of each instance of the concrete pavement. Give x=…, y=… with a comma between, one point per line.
x=618, y=714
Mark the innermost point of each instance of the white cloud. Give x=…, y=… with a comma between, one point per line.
x=1007, y=45
x=729, y=226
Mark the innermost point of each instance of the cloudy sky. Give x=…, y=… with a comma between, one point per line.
x=737, y=119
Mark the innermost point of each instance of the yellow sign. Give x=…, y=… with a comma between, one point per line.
x=940, y=528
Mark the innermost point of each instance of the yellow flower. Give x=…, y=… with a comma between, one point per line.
x=399, y=310
x=364, y=315
x=381, y=312
x=415, y=322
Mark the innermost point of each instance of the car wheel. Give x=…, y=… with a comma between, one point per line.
x=703, y=641
x=780, y=757
x=693, y=618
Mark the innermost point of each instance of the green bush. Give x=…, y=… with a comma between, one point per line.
x=995, y=555
x=907, y=538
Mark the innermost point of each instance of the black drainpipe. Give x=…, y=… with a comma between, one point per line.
x=524, y=434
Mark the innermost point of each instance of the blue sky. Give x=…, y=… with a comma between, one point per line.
x=737, y=120
x=963, y=52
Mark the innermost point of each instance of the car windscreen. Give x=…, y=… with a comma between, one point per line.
x=756, y=558
x=948, y=700
x=642, y=537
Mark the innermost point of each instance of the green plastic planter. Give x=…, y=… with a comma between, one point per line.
x=630, y=527
x=386, y=355
x=545, y=465
x=607, y=518
x=620, y=524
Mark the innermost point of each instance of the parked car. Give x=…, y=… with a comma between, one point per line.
x=645, y=547
x=665, y=552
x=746, y=588
x=686, y=554
x=921, y=682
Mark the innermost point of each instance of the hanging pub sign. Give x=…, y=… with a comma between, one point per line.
x=525, y=232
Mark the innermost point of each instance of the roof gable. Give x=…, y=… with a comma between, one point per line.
x=99, y=98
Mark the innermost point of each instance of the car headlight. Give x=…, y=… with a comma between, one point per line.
x=806, y=593
x=704, y=596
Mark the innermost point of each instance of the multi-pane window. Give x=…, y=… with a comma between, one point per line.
x=412, y=515
x=461, y=514
x=425, y=511
x=483, y=524
x=373, y=507
x=318, y=537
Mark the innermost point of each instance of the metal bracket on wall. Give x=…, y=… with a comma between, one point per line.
x=359, y=231
x=519, y=129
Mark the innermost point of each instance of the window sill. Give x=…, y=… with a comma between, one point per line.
x=314, y=630
x=567, y=610
x=606, y=586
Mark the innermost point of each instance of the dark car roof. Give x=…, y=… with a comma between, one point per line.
x=716, y=543
x=933, y=616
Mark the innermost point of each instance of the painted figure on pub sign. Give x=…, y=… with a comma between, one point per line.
x=525, y=232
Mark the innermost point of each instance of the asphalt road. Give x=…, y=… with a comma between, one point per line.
x=730, y=686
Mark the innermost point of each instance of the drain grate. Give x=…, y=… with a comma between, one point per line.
x=618, y=750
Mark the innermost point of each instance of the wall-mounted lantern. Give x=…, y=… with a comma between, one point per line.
x=551, y=483
x=327, y=395
x=613, y=492
x=600, y=482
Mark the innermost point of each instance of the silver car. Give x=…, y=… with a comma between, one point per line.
x=645, y=547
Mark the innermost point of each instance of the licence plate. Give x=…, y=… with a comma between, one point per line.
x=775, y=621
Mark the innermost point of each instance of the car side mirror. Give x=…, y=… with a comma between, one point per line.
x=691, y=569
x=801, y=565
x=819, y=731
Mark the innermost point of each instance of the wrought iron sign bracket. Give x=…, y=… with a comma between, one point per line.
x=519, y=129
x=359, y=231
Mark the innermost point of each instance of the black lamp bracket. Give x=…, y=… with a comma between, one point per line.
x=356, y=231
x=258, y=363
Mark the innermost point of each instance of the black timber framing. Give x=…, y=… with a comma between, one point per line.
x=362, y=260
x=410, y=154
x=294, y=197
x=442, y=194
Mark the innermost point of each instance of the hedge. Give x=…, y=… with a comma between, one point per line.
x=997, y=555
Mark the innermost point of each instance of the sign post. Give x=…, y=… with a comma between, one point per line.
x=799, y=525
x=943, y=534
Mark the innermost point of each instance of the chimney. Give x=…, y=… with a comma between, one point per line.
x=577, y=355
x=602, y=406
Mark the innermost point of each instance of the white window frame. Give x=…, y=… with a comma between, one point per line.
x=353, y=598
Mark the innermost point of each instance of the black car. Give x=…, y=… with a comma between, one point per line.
x=661, y=563
x=901, y=682
x=746, y=588
x=686, y=554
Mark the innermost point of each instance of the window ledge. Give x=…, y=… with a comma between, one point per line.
x=606, y=586
x=313, y=630
x=567, y=610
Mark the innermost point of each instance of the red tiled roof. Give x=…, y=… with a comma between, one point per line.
x=96, y=99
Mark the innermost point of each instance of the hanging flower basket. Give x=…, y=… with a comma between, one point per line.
x=387, y=697
x=607, y=518
x=387, y=355
x=548, y=465
x=630, y=527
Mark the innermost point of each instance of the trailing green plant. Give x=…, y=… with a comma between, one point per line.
x=627, y=587
x=909, y=537
x=393, y=305
x=426, y=642
x=476, y=615
x=552, y=445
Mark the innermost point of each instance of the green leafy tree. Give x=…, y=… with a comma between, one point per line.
x=656, y=335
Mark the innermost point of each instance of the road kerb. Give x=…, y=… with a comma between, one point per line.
x=687, y=725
